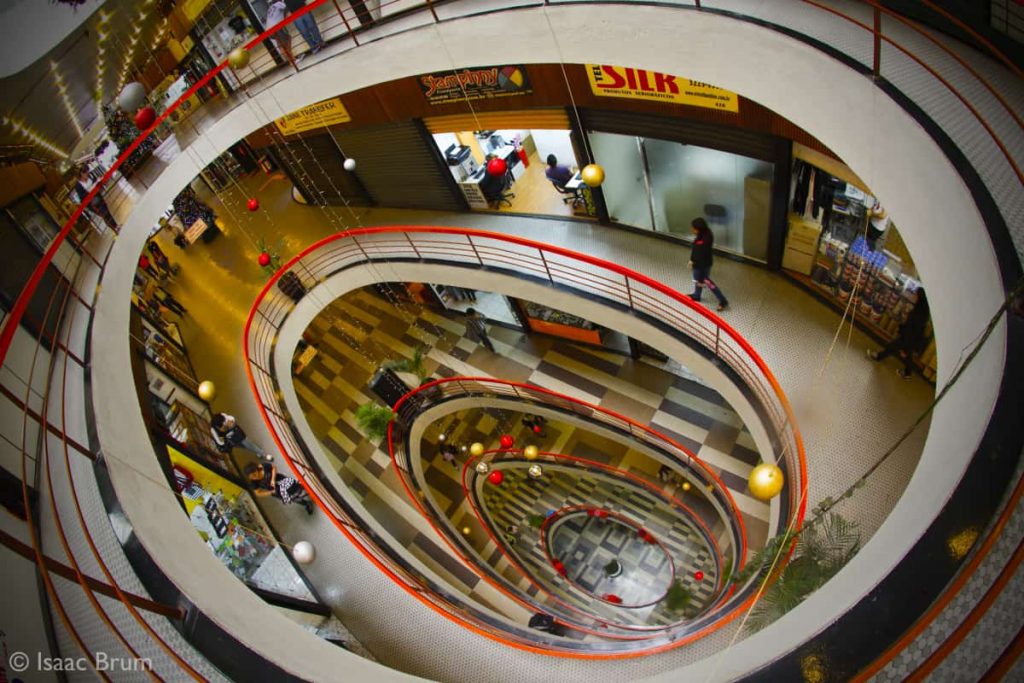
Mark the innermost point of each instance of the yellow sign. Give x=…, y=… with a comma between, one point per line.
x=193, y=8
x=638, y=84
x=326, y=113
x=205, y=477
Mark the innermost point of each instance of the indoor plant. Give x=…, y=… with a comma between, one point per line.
x=373, y=419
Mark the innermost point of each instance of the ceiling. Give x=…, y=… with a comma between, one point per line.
x=51, y=102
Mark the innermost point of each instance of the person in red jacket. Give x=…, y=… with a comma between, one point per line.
x=700, y=261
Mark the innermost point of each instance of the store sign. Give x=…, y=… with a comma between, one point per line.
x=481, y=83
x=639, y=84
x=326, y=113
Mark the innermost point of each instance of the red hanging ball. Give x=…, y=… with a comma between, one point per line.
x=254, y=204
x=145, y=118
x=537, y=429
x=699, y=575
x=496, y=477
x=264, y=259
x=497, y=167
x=506, y=441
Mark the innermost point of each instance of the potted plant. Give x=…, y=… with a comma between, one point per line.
x=613, y=568
x=677, y=598
x=536, y=521
x=413, y=366
x=373, y=419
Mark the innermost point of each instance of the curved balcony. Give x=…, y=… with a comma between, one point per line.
x=989, y=163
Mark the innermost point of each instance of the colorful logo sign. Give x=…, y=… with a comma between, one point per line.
x=639, y=84
x=481, y=83
x=326, y=113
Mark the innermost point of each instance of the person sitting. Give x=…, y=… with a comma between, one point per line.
x=557, y=173
x=266, y=481
x=493, y=187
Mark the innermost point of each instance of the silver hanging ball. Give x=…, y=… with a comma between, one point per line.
x=442, y=437
x=350, y=165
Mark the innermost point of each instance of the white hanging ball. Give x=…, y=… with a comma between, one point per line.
x=132, y=97
x=350, y=165
x=442, y=437
x=304, y=552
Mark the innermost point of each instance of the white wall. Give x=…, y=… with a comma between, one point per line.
x=554, y=142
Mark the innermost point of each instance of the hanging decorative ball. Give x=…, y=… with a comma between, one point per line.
x=466, y=530
x=537, y=429
x=531, y=452
x=535, y=471
x=132, y=97
x=506, y=441
x=699, y=575
x=464, y=450
x=207, y=390
x=496, y=477
x=476, y=450
x=145, y=118
x=303, y=552
x=497, y=167
x=482, y=467
x=442, y=437
x=264, y=259
x=239, y=57
x=593, y=175
x=253, y=204
x=350, y=164
x=766, y=481
x=686, y=486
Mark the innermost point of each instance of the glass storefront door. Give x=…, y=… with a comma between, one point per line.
x=661, y=185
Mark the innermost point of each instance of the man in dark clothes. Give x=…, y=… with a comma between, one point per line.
x=910, y=339
x=700, y=261
x=476, y=328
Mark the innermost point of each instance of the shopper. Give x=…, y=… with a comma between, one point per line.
x=476, y=328
x=98, y=206
x=227, y=434
x=266, y=481
x=700, y=261
x=276, y=12
x=910, y=338
x=163, y=263
x=306, y=25
x=556, y=172
x=448, y=453
x=147, y=265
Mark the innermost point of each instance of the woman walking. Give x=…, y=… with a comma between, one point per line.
x=700, y=262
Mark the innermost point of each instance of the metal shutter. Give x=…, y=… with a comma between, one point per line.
x=551, y=119
x=399, y=169
x=315, y=164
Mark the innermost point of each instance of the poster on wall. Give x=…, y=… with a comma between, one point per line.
x=639, y=84
x=478, y=83
x=326, y=113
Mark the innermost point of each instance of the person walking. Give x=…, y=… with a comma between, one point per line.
x=227, y=434
x=700, y=261
x=266, y=481
x=476, y=328
x=276, y=12
x=306, y=25
x=910, y=338
x=163, y=263
x=98, y=206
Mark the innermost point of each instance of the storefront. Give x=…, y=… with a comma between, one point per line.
x=841, y=244
x=524, y=140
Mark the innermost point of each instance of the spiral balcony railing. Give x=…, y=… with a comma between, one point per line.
x=53, y=365
x=438, y=392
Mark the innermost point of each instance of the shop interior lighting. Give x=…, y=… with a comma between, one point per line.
x=62, y=88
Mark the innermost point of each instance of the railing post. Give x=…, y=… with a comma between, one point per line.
x=414, y=249
x=718, y=335
x=475, y=252
x=431, y=6
x=629, y=293
x=877, y=69
x=347, y=27
x=546, y=269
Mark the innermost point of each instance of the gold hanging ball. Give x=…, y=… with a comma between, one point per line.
x=686, y=486
x=207, y=390
x=593, y=175
x=531, y=452
x=766, y=481
x=476, y=450
x=466, y=530
x=239, y=57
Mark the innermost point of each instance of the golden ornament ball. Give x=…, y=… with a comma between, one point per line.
x=593, y=175
x=207, y=390
x=466, y=530
x=476, y=450
x=238, y=58
x=686, y=486
x=530, y=452
x=766, y=481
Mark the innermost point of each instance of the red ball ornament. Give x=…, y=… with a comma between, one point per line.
x=497, y=167
x=613, y=598
x=496, y=477
x=537, y=429
x=144, y=118
x=506, y=441
x=264, y=259
x=699, y=575
x=254, y=204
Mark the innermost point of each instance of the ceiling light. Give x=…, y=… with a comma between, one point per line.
x=63, y=90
